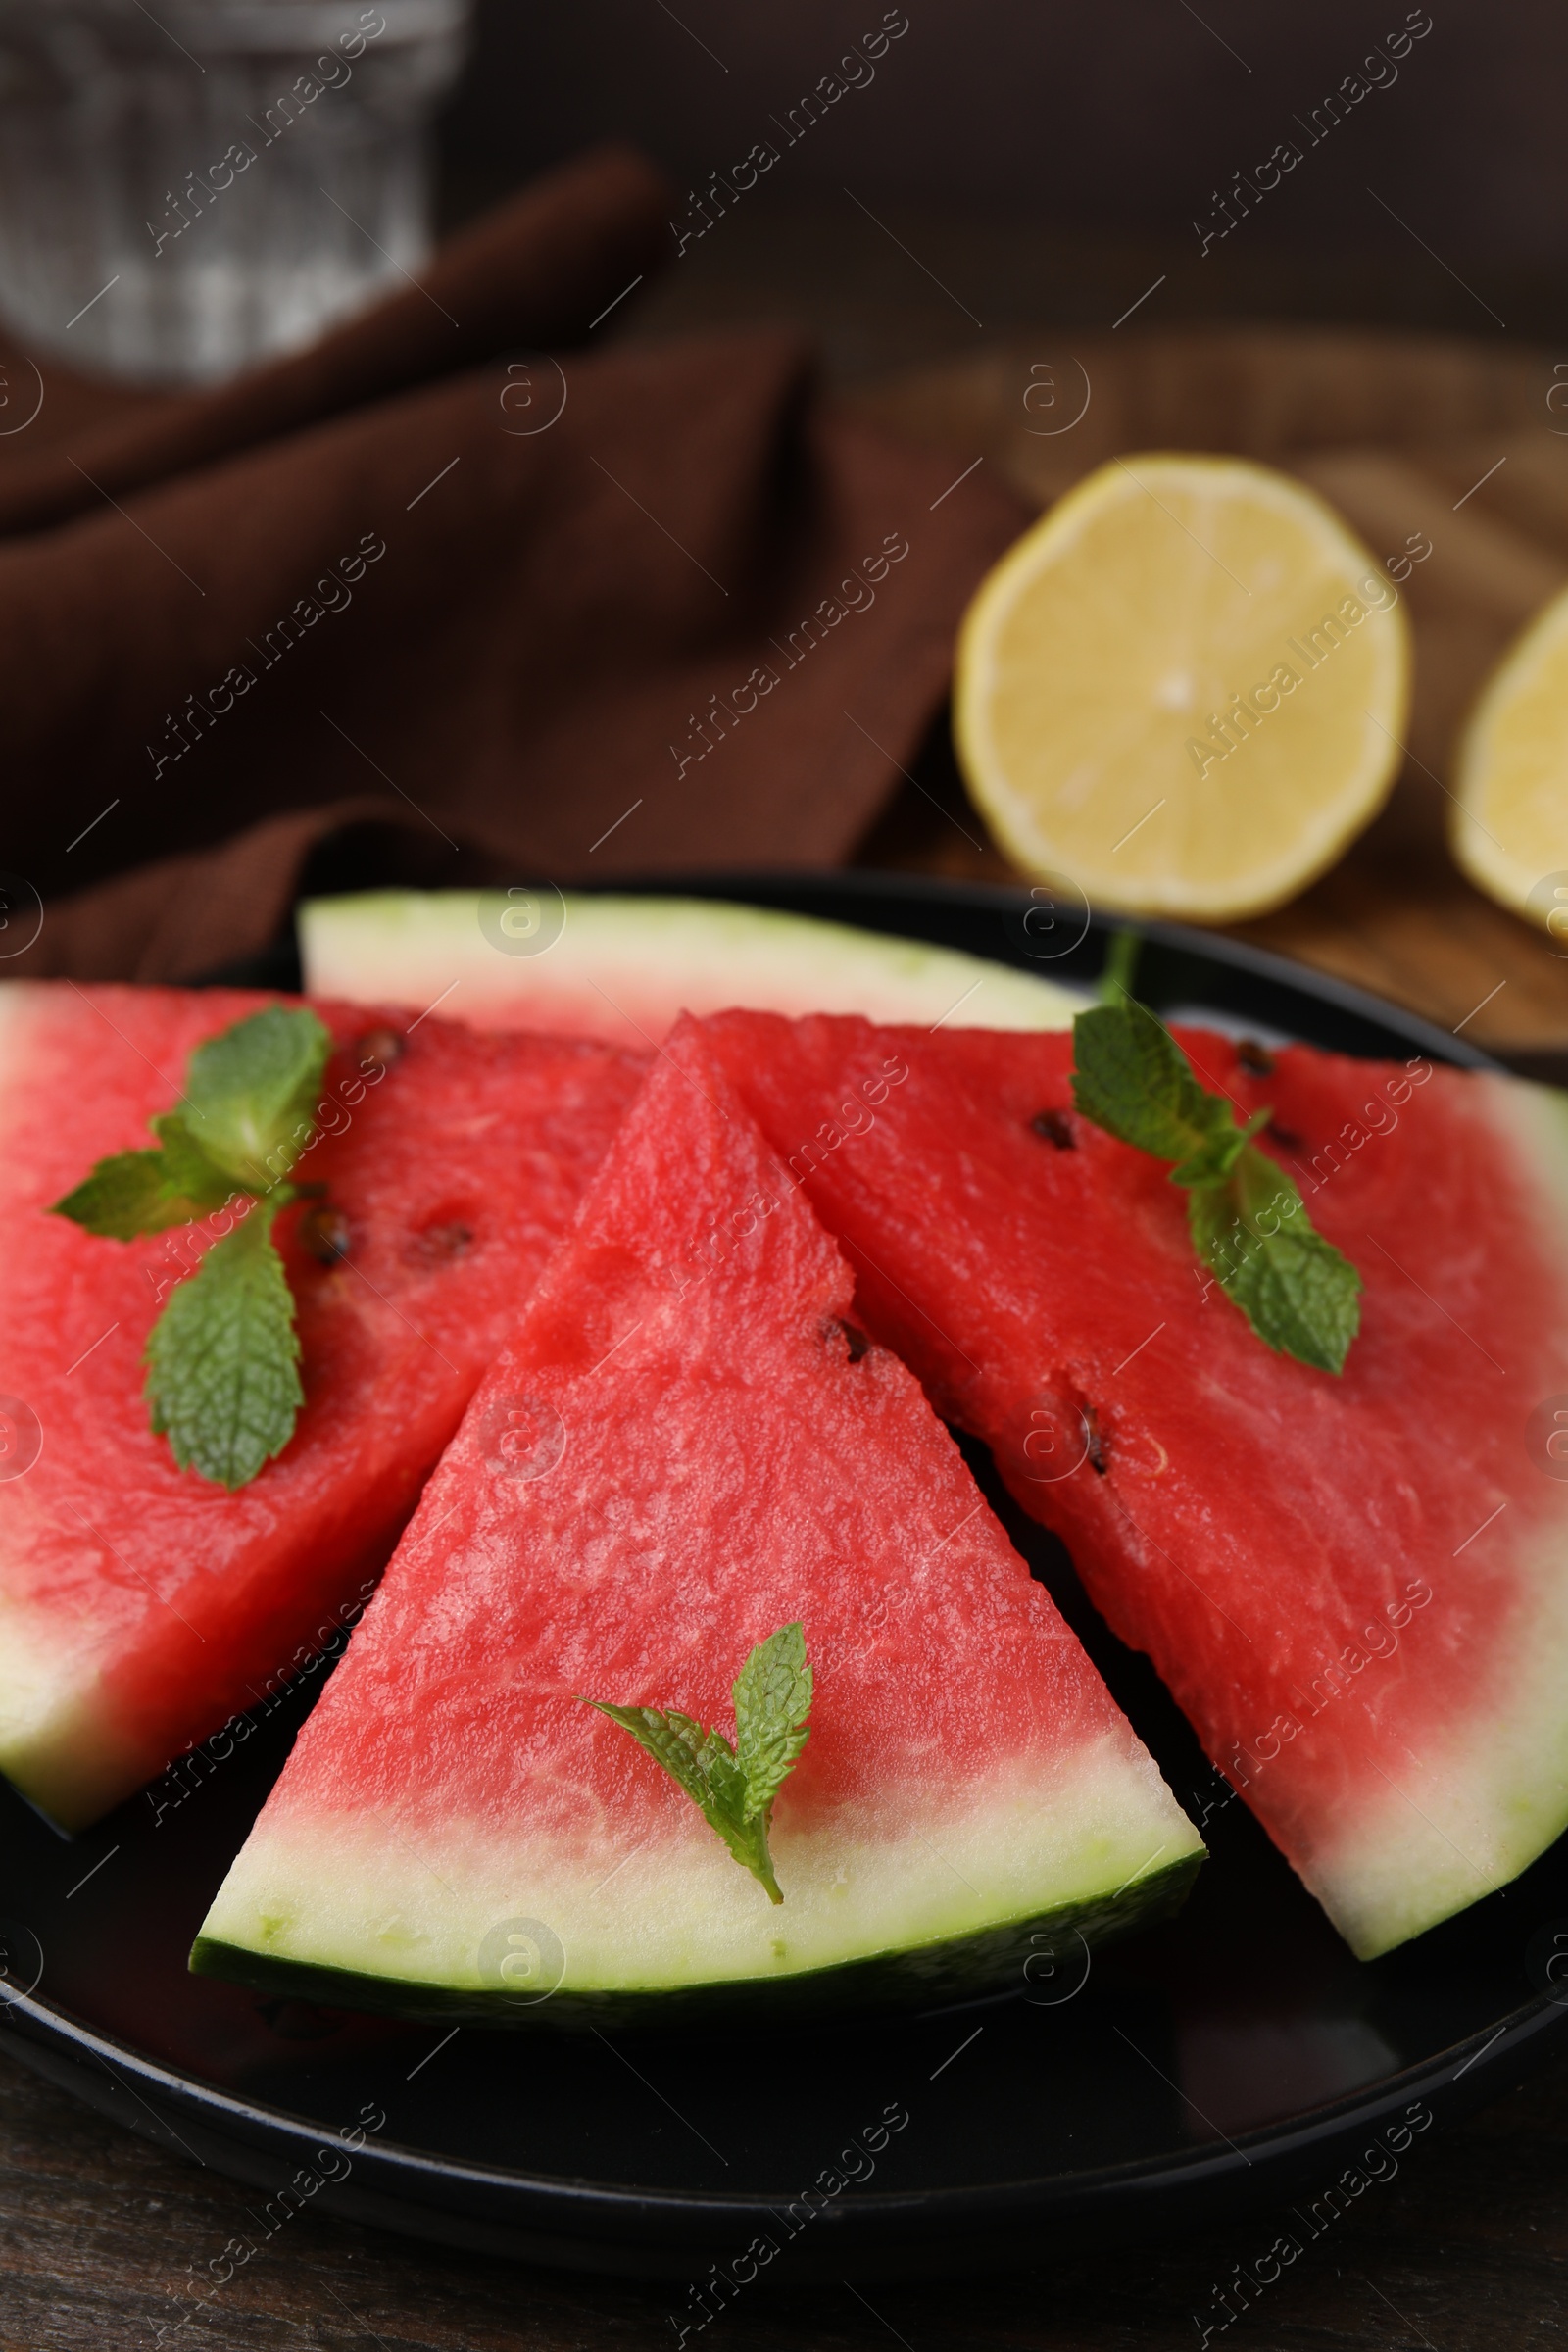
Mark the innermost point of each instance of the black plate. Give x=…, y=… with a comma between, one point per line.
x=1238, y=2054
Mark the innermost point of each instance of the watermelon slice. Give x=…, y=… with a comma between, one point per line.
x=1355, y=1587
x=625, y=968
x=141, y=1606
x=685, y=1448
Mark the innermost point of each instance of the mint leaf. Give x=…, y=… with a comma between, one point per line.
x=144, y=1191
x=773, y=1700
x=248, y=1092
x=187, y=1171
x=734, y=1788
x=223, y=1358
x=704, y=1764
x=1246, y=1215
x=1300, y=1295
x=124, y=1196
x=675, y=1741
x=1221, y=1151
x=1133, y=1079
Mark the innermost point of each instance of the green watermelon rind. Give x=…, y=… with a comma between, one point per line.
x=622, y=967
x=928, y=1976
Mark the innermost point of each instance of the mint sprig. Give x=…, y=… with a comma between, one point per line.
x=734, y=1788
x=1246, y=1214
x=223, y=1358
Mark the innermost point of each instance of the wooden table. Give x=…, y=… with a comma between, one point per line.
x=1463, y=2252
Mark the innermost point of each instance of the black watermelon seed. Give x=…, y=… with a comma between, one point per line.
x=324, y=1233
x=378, y=1049
x=1057, y=1128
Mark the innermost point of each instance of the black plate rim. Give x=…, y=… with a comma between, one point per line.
x=1311, y=2129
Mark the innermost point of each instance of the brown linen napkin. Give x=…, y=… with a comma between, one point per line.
x=634, y=609
x=535, y=271
x=181, y=918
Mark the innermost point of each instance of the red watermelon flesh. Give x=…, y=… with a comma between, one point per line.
x=141, y=1606
x=1355, y=1587
x=681, y=1451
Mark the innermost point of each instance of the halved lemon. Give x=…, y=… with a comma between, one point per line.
x=1185, y=690
x=1509, y=827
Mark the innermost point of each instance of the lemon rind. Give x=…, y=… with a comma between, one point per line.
x=1479, y=855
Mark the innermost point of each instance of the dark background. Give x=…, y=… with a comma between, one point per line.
x=1049, y=154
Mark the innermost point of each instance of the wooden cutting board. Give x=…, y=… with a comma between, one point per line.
x=1423, y=442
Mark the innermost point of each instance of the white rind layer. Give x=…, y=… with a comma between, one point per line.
x=1480, y=1805
x=415, y=1905
x=625, y=968
x=54, y=1746
x=1489, y=1795
x=52, y=1742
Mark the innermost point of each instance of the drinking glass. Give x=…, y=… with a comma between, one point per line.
x=188, y=185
